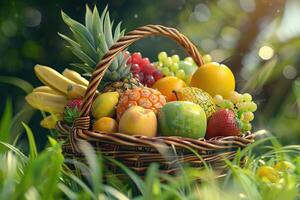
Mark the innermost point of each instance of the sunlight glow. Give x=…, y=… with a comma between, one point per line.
x=266, y=52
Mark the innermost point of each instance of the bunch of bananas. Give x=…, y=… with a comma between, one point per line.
x=57, y=90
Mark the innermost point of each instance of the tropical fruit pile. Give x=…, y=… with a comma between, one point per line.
x=167, y=97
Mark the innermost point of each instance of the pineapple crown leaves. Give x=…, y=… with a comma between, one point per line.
x=92, y=40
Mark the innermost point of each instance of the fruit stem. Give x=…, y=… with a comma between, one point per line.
x=175, y=95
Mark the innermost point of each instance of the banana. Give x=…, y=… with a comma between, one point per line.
x=75, y=77
x=46, y=89
x=57, y=81
x=51, y=120
x=51, y=103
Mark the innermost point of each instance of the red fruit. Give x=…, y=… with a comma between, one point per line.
x=136, y=58
x=144, y=62
x=222, y=123
x=141, y=77
x=149, y=80
x=72, y=104
x=157, y=75
x=135, y=68
x=149, y=69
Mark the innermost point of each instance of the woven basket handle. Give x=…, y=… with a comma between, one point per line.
x=121, y=45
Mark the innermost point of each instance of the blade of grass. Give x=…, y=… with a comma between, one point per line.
x=32, y=145
x=20, y=83
x=6, y=121
x=133, y=176
x=115, y=193
x=24, y=115
x=16, y=151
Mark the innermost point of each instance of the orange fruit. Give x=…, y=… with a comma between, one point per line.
x=169, y=84
x=105, y=125
x=145, y=97
x=214, y=78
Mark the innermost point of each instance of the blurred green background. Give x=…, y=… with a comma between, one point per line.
x=258, y=40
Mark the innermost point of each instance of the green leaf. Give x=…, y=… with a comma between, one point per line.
x=20, y=83
x=88, y=19
x=23, y=158
x=5, y=122
x=151, y=177
x=84, y=67
x=82, y=56
x=108, y=33
x=24, y=115
x=97, y=25
x=32, y=145
x=77, y=26
x=133, y=176
x=117, y=34
x=85, y=45
x=69, y=40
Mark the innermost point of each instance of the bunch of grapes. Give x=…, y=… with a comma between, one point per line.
x=173, y=66
x=241, y=104
x=143, y=69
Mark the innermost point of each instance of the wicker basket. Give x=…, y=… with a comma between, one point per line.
x=138, y=152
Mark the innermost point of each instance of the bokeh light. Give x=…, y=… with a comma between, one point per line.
x=266, y=52
x=289, y=72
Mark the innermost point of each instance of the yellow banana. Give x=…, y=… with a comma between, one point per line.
x=51, y=103
x=46, y=89
x=57, y=81
x=75, y=77
x=51, y=120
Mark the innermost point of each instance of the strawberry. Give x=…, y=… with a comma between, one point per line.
x=223, y=123
x=72, y=110
x=74, y=103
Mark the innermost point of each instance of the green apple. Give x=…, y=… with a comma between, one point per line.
x=182, y=118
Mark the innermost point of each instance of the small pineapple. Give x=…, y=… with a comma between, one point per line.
x=92, y=40
x=143, y=96
x=199, y=97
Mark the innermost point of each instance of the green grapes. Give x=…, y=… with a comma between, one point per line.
x=162, y=56
x=171, y=66
x=174, y=67
x=165, y=71
x=168, y=62
x=235, y=97
x=247, y=116
x=171, y=74
x=207, y=58
x=190, y=60
x=246, y=127
x=175, y=58
x=252, y=107
x=247, y=97
x=180, y=74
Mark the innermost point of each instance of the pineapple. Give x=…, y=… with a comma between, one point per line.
x=199, y=97
x=123, y=85
x=145, y=97
x=91, y=41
